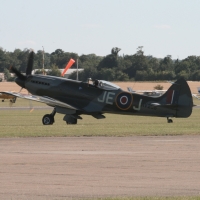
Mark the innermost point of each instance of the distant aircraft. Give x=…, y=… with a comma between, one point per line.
x=198, y=89
x=197, y=95
x=151, y=93
x=75, y=98
x=4, y=96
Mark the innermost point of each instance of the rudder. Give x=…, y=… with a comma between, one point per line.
x=179, y=95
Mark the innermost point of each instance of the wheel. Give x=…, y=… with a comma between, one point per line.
x=170, y=121
x=72, y=121
x=48, y=119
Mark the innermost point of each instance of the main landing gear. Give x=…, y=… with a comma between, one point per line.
x=48, y=119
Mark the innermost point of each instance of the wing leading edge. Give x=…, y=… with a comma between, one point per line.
x=42, y=99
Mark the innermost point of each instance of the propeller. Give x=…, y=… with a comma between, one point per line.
x=30, y=63
x=21, y=78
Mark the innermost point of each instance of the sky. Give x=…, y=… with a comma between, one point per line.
x=162, y=27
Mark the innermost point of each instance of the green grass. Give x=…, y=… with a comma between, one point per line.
x=22, y=123
x=148, y=198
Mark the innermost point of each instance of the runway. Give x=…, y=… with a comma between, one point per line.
x=91, y=167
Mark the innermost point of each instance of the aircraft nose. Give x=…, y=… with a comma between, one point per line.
x=20, y=82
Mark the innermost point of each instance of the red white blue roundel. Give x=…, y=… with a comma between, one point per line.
x=124, y=100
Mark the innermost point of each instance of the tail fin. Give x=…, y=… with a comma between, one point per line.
x=179, y=96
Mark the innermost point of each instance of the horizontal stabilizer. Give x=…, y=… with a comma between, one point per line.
x=156, y=105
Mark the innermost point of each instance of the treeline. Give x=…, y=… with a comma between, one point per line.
x=112, y=67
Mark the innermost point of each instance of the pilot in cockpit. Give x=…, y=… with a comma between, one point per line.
x=96, y=83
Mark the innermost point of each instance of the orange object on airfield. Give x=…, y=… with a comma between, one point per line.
x=70, y=63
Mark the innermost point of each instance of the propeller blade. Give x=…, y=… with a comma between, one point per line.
x=18, y=73
x=30, y=63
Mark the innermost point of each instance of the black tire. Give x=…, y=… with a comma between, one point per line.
x=170, y=121
x=48, y=119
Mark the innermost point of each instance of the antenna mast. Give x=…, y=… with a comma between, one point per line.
x=77, y=70
x=43, y=61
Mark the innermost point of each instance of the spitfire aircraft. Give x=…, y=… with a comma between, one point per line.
x=75, y=98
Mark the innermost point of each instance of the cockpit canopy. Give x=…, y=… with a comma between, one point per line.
x=107, y=85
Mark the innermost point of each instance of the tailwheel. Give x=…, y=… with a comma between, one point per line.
x=169, y=120
x=48, y=119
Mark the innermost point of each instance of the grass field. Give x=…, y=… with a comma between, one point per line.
x=151, y=198
x=22, y=123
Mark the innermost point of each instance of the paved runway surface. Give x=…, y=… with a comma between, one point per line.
x=62, y=168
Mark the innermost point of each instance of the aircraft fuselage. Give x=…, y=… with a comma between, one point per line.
x=88, y=98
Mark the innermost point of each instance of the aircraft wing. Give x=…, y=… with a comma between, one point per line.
x=42, y=99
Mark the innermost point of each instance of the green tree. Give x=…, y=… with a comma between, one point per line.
x=23, y=58
x=120, y=76
x=61, y=58
x=90, y=60
x=54, y=71
x=139, y=63
x=166, y=64
x=107, y=74
x=111, y=60
x=115, y=51
x=7, y=75
x=2, y=59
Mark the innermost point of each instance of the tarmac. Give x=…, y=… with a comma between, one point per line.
x=93, y=167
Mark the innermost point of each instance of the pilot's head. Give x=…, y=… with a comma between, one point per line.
x=96, y=82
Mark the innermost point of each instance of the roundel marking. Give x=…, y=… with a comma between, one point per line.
x=124, y=100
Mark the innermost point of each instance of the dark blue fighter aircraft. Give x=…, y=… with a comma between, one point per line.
x=75, y=98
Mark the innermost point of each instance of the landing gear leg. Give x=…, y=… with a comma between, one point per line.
x=48, y=119
x=169, y=120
